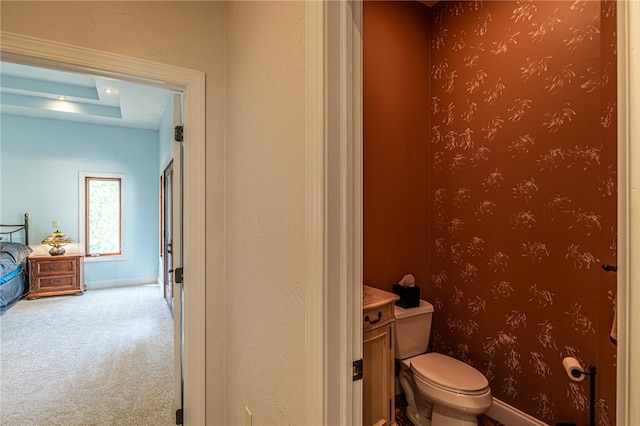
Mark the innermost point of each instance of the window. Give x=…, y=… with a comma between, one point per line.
x=103, y=216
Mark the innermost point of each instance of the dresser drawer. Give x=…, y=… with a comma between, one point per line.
x=374, y=317
x=57, y=267
x=56, y=283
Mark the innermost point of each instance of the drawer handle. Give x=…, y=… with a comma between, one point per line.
x=55, y=282
x=54, y=266
x=375, y=320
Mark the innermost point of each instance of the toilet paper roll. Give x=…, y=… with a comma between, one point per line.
x=573, y=368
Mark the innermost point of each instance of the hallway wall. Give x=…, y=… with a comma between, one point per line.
x=265, y=180
x=253, y=54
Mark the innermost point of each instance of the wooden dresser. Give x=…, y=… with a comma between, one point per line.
x=56, y=275
x=378, y=357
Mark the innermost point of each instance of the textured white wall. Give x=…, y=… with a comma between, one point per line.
x=253, y=54
x=265, y=163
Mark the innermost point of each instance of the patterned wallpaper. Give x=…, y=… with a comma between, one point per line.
x=523, y=197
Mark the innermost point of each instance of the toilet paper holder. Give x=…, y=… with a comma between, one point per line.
x=576, y=373
x=574, y=369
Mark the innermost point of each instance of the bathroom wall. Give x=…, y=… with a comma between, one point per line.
x=396, y=142
x=523, y=197
x=522, y=190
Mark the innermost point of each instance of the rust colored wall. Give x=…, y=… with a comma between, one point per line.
x=522, y=190
x=523, y=197
x=396, y=133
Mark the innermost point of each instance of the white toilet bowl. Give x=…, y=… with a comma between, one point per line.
x=452, y=384
x=457, y=391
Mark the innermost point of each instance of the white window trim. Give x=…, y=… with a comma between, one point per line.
x=82, y=215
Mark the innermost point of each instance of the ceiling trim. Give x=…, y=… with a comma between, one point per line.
x=21, y=84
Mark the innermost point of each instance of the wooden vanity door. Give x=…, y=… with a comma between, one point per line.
x=378, y=385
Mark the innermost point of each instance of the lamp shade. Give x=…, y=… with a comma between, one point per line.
x=56, y=240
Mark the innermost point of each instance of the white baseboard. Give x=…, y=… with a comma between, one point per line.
x=120, y=283
x=510, y=416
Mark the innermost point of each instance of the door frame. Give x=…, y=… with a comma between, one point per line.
x=334, y=143
x=334, y=212
x=628, y=287
x=64, y=57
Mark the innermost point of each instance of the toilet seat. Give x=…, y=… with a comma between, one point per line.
x=449, y=374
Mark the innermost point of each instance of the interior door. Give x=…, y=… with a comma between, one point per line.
x=167, y=233
x=177, y=289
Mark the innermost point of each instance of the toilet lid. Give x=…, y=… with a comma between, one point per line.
x=448, y=373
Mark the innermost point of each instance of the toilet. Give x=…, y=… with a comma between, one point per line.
x=440, y=390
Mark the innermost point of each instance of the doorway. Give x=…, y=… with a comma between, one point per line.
x=43, y=53
x=627, y=237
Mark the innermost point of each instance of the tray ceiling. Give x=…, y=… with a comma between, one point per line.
x=39, y=92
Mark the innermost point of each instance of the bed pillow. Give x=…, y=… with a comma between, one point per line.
x=11, y=255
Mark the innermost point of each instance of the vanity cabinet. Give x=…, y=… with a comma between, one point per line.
x=378, y=357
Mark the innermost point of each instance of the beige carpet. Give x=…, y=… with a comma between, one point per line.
x=104, y=358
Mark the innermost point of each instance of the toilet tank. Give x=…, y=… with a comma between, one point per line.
x=413, y=328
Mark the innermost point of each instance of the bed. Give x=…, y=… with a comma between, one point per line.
x=14, y=251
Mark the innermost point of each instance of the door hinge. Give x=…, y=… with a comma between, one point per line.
x=178, y=275
x=179, y=136
x=357, y=370
x=179, y=416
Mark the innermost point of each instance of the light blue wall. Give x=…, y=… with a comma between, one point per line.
x=40, y=164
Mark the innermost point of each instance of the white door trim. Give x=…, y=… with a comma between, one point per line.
x=45, y=53
x=177, y=259
x=628, y=292
x=340, y=339
x=315, y=314
x=334, y=212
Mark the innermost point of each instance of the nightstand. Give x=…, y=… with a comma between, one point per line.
x=56, y=275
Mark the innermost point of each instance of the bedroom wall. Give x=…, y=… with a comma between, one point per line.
x=41, y=161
